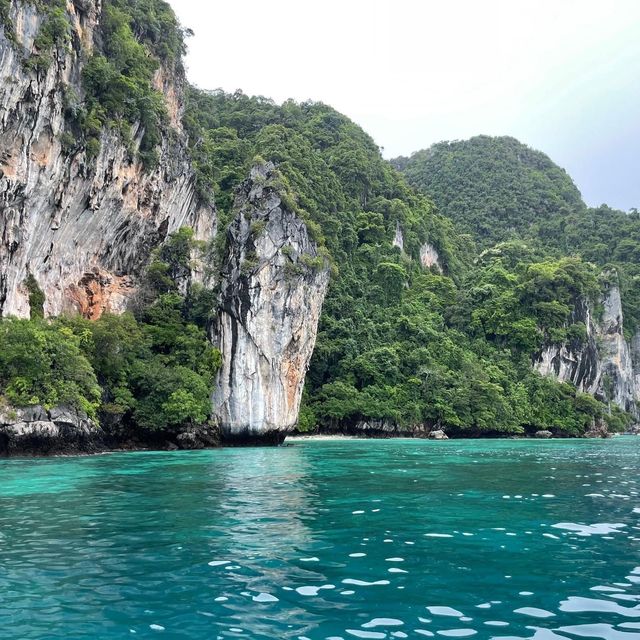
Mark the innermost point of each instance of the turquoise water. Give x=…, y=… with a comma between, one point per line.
x=326, y=539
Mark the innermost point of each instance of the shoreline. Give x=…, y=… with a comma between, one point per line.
x=296, y=438
x=291, y=440
x=301, y=437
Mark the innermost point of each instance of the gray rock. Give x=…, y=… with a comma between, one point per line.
x=10, y=415
x=83, y=228
x=30, y=431
x=65, y=415
x=208, y=435
x=273, y=286
x=372, y=427
x=543, y=433
x=429, y=257
x=188, y=440
x=604, y=365
x=438, y=434
x=40, y=429
x=598, y=430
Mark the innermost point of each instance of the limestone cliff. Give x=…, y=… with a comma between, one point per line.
x=635, y=363
x=429, y=256
x=273, y=284
x=578, y=364
x=82, y=228
x=617, y=376
x=602, y=364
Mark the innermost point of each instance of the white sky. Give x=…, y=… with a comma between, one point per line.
x=560, y=75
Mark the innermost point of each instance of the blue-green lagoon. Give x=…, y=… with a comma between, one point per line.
x=326, y=539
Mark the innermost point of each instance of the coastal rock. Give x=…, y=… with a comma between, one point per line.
x=199, y=437
x=543, y=434
x=273, y=285
x=377, y=429
x=438, y=434
x=66, y=415
x=188, y=440
x=82, y=228
x=34, y=413
x=388, y=429
x=36, y=431
x=598, y=430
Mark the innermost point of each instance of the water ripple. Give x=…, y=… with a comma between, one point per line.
x=306, y=543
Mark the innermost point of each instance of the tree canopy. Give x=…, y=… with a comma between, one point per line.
x=397, y=341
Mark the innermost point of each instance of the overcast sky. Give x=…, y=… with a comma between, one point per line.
x=561, y=75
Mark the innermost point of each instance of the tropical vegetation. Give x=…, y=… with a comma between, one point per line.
x=448, y=343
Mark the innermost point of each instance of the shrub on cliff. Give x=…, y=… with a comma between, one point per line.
x=153, y=371
x=157, y=367
x=46, y=363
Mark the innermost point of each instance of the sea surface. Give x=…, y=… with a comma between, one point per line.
x=326, y=539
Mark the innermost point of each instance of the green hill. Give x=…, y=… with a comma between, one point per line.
x=495, y=188
x=498, y=189
x=450, y=344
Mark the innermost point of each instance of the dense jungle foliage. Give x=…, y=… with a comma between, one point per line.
x=449, y=344
x=498, y=189
x=150, y=369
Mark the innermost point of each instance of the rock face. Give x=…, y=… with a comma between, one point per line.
x=602, y=365
x=429, y=257
x=579, y=364
x=597, y=430
x=616, y=370
x=119, y=436
x=635, y=363
x=273, y=286
x=64, y=430
x=398, y=238
x=383, y=429
x=82, y=228
x=387, y=429
x=36, y=431
x=199, y=437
